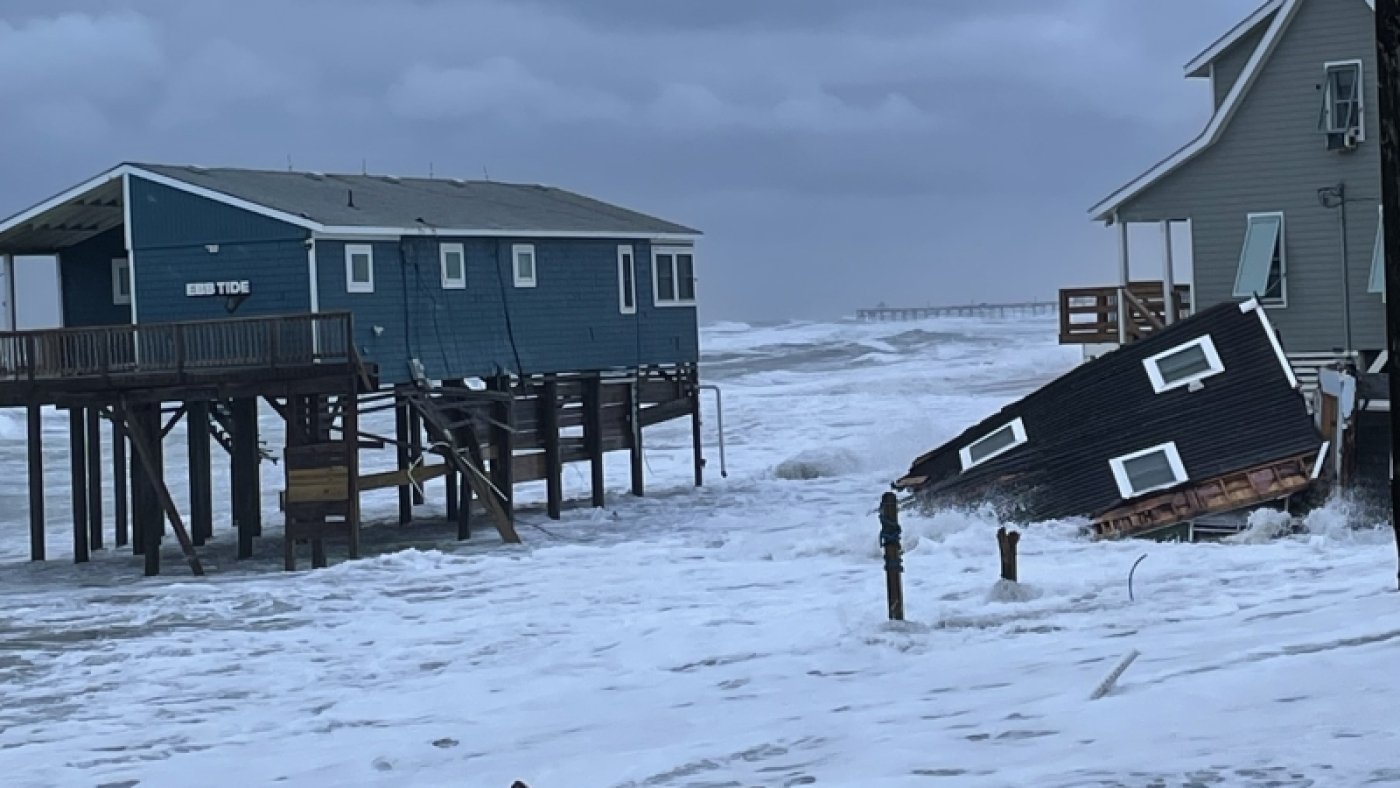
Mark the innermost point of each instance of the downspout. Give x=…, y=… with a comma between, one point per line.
x=1346, y=269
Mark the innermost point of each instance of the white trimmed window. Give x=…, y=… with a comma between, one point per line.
x=1149, y=470
x=1263, y=267
x=453, y=258
x=626, y=281
x=1344, y=107
x=523, y=263
x=1184, y=365
x=993, y=445
x=121, y=281
x=359, y=268
x=1377, y=282
x=673, y=275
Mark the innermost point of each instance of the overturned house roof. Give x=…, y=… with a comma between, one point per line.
x=1202, y=417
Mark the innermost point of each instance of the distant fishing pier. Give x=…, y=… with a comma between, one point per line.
x=881, y=314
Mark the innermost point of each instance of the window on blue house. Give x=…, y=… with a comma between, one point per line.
x=673, y=276
x=626, y=280
x=359, y=268
x=454, y=266
x=121, y=281
x=523, y=256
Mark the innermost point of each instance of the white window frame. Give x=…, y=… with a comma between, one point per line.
x=121, y=272
x=1281, y=244
x=1376, y=282
x=525, y=281
x=453, y=282
x=1018, y=430
x=1327, y=69
x=1161, y=385
x=673, y=251
x=1125, y=485
x=352, y=286
x=626, y=263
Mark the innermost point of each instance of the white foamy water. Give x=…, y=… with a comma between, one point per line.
x=728, y=636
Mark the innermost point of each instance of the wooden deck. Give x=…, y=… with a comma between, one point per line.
x=1089, y=315
x=58, y=365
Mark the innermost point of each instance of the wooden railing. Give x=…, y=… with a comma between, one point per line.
x=1089, y=315
x=181, y=349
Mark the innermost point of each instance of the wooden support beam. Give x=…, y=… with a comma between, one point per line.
x=503, y=441
x=36, y=483
x=450, y=485
x=634, y=424
x=120, y=483
x=77, y=456
x=94, y=477
x=697, y=443
x=146, y=448
x=401, y=448
x=175, y=417
x=548, y=404
x=415, y=449
x=201, y=471
x=148, y=470
x=350, y=424
x=247, y=486
x=593, y=437
x=464, y=507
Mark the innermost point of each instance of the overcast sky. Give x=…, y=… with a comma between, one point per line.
x=836, y=153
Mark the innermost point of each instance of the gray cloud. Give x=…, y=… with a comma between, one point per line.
x=835, y=153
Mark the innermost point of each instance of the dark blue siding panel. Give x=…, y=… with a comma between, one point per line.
x=570, y=322
x=86, y=273
x=182, y=238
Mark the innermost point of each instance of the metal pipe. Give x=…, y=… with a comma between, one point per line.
x=719, y=421
x=1346, y=270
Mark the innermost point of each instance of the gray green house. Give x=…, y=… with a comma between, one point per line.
x=1281, y=190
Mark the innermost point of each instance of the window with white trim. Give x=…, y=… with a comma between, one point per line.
x=1184, y=365
x=1343, y=103
x=626, y=281
x=673, y=275
x=1149, y=470
x=121, y=281
x=453, y=258
x=1263, y=269
x=524, y=264
x=993, y=444
x=359, y=268
x=1377, y=281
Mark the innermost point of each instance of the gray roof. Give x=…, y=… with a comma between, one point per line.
x=442, y=203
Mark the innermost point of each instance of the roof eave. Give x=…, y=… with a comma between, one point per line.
x=1200, y=64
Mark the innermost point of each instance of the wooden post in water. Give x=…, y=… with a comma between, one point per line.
x=503, y=439
x=247, y=487
x=415, y=450
x=120, y=483
x=891, y=541
x=147, y=469
x=146, y=445
x=548, y=402
x=36, y=483
x=1006, y=545
x=201, y=471
x=350, y=430
x=697, y=445
x=94, y=477
x=593, y=436
x=1388, y=61
x=634, y=426
x=77, y=456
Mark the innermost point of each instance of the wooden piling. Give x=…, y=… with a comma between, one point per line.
x=142, y=423
x=401, y=448
x=94, y=477
x=201, y=471
x=247, y=486
x=464, y=508
x=697, y=445
x=415, y=450
x=891, y=541
x=120, y=483
x=77, y=455
x=634, y=427
x=548, y=401
x=350, y=428
x=593, y=436
x=36, y=483
x=1006, y=545
x=503, y=441
x=146, y=445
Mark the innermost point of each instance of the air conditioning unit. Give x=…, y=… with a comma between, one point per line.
x=1344, y=141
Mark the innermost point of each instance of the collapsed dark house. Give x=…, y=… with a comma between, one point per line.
x=1200, y=418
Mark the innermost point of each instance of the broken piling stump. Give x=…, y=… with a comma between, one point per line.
x=1006, y=545
x=890, y=542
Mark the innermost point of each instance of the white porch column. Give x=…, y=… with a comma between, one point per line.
x=1168, y=275
x=1123, y=278
x=7, y=294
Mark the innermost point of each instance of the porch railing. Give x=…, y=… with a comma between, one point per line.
x=180, y=349
x=1089, y=315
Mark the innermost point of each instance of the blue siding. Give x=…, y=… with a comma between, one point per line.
x=86, y=273
x=171, y=231
x=571, y=321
